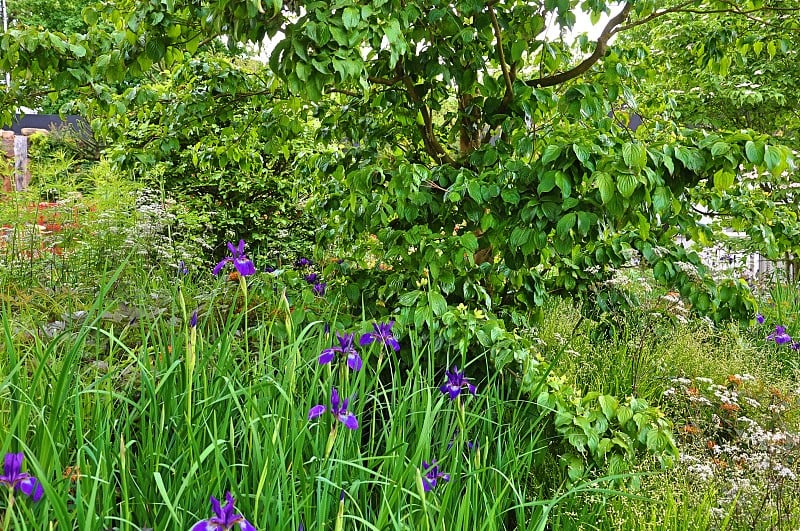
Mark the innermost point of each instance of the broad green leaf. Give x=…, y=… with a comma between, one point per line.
x=605, y=184
x=772, y=157
x=634, y=155
x=351, y=17
x=566, y=223
x=626, y=184
x=720, y=148
x=469, y=241
x=409, y=298
x=581, y=152
x=563, y=183
x=690, y=157
x=437, y=302
x=551, y=153
x=723, y=179
x=474, y=190
x=661, y=199
x=510, y=195
x=519, y=236
x=755, y=152
x=547, y=183
x=609, y=405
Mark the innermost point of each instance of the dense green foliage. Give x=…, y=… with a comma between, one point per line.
x=576, y=423
x=465, y=132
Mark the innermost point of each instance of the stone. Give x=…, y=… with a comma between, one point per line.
x=28, y=131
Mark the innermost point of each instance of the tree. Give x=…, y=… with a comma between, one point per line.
x=463, y=131
x=53, y=15
x=742, y=77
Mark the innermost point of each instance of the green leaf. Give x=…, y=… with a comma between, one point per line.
x=585, y=221
x=605, y=184
x=723, y=179
x=755, y=152
x=563, y=183
x=661, y=199
x=566, y=223
x=474, y=190
x=351, y=17
x=78, y=50
x=437, y=302
x=551, y=153
x=609, y=405
x=624, y=414
x=634, y=155
x=510, y=195
x=626, y=184
x=409, y=298
x=547, y=183
x=520, y=236
x=720, y=148
x=690, y=157
x=581, y=152
x=469, y=241
x=772, y=157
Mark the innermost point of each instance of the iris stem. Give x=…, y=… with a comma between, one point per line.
x=243, y=285
x=7, y=517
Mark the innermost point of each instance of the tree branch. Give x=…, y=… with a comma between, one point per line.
x=432, y=145
x=509, y=95
x=385, y=81
x=599, y=51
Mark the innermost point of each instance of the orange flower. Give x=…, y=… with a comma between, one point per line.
x=710, y=444
x=692, y=391
x=233, y=276
x=730, y=407
x=72, y=473
x=735, y=380
x=690, y=429
x=719, y=462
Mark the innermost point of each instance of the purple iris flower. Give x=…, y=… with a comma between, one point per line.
x=224, y=518
x=319, y=289
x=14, y=478
x=240, y=261
x=456, y=381
x=342, y=415
x=795, y=345
x=432, y=475
x=302, y=262
x=193, y=320
x=382, y=334
x=311, y=278
x=269, y=269
x=780, y=336
x=760, y=319
x=182, y=269
x=345, y=348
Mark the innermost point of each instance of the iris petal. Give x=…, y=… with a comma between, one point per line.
x=316, y=411
x=326, y=356
x=219, y=266
x=366, y=339
x=354, y=361
x=349, y=420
